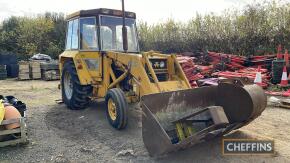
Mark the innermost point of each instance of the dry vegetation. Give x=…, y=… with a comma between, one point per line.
x=257, y=29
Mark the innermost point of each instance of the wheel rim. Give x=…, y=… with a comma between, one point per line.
x=68, y=85
x=112, y=109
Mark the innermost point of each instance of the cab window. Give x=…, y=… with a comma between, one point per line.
x=72, y=35
x=131, y=38
x=111, y=33
x=68, y=35
x=88, y=34
x=107, y=38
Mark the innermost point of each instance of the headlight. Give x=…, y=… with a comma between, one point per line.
x=162, y=64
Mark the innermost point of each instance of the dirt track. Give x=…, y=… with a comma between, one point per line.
x=60, y=135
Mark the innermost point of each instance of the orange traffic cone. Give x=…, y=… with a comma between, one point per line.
x=284, y=80
x=258, y=78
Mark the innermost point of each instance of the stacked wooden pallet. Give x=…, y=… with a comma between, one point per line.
x=51, y=75
x=38, y=70
x=35, y=72
x=50, y=70
x=23, y=70
x=3, y=72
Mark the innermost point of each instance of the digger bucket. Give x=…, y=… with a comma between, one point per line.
x=176, y=120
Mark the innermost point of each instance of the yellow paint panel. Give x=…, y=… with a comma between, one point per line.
x=2, y=111
x=172, y=86
x=82, y=59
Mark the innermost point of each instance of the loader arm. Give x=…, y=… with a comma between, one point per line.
x=136, y=64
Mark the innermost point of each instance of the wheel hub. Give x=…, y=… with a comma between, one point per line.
x=68, y=85
x=112, y=109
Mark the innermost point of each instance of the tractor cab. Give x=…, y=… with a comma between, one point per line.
x=101, y=30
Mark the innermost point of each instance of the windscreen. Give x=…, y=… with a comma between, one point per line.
x=111, y=34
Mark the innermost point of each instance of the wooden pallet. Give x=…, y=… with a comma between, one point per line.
x=22, y=130
x=35, y=71
x=23, y=71
x=51, y=75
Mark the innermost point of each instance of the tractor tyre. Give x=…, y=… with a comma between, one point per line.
x=74, y=95
x=117, y=106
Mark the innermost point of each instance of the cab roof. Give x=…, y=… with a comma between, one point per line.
x=100, y=11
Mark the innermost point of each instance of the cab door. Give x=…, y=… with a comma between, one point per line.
x=89, y=48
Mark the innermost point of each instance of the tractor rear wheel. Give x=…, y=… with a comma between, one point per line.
x=74, y=95
x=117, y=108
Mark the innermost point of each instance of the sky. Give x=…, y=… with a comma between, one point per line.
x=151, y=11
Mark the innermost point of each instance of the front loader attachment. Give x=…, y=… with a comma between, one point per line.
x=176, y=120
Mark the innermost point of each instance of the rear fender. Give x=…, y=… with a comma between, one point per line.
x=88, y=65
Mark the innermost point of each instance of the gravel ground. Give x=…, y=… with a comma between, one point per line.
x=57, y=134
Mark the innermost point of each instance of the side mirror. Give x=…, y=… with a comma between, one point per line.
x=125, y=38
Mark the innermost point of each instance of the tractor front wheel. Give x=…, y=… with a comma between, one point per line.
x=74, y=95
x=117, y=108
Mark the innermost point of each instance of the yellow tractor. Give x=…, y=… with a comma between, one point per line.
x=95, y=65
x=102, y=60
